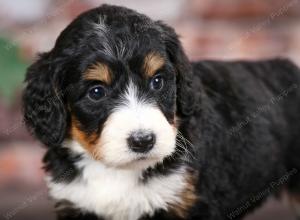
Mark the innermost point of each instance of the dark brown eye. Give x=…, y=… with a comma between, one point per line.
x=157, y=83
x=96, y=93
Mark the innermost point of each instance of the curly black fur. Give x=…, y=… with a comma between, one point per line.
x=242, y=118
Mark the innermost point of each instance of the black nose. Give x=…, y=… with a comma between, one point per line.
x=141, y=141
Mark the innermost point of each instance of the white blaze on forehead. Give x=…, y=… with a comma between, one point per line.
x=131, y=115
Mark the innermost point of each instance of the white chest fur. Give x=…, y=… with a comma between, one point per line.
x=118, y=194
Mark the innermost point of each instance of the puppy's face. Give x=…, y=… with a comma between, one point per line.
x=114, y=81
x=123, y=111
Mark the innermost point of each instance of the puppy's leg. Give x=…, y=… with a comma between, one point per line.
x=161, y=215
x=66, y=211
x=75, y=215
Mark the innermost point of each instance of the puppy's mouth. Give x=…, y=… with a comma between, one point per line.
x=140, y=162
x=146, y=158
x=141, y=158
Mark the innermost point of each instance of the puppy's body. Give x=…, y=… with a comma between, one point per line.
x=247, y=133
x=218, y=137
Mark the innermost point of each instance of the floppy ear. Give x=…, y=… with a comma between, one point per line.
x=185, y=96
x=44, y=111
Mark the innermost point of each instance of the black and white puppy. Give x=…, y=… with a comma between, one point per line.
x=135, y=131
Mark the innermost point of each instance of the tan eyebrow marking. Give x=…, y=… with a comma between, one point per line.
x=153, y=62
x=99, y=72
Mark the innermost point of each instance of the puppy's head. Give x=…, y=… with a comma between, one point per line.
x=114, y=84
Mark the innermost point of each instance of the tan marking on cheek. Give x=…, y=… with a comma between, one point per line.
x=88, y=141
x=188, y=197
x=100, y=72
x=152, y=63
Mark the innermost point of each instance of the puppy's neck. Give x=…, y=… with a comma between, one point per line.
x=119, y=193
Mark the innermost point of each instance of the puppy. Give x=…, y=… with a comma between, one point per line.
x=135, y=131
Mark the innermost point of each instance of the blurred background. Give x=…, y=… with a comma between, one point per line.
x=209, y=29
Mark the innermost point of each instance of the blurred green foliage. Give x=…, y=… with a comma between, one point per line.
x=12, y=69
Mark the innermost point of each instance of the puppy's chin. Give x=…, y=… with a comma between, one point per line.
x=138, y=164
